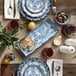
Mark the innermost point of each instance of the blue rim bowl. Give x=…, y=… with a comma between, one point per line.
x=68, y=14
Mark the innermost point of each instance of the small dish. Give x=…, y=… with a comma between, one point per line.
x=68, y=30
x=57, y=40
x=62, y=17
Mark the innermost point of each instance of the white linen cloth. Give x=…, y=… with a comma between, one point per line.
x=6, y=6
x=57, y=62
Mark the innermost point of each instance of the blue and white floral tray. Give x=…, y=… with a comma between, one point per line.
x=33, y=67
x=34, y=9
x=40, y=35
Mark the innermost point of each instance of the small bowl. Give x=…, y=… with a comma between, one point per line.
x=65, y=17
x=68, y=30
x=47, y=53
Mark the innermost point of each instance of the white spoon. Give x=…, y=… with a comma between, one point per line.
x=10, y=9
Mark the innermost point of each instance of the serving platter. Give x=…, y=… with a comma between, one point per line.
x=33, y=67
x=34, y=9
x=40, y=35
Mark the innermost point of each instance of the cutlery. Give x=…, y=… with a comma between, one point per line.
x=0, y=23
x=53, y=68
x=10, y=8
x=13, y=74
x=13, y=70
x=14, y=12
x=54, y=6
x=57, y=69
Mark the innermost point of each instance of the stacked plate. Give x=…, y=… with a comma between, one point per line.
x=33, y=67
x=34, y=9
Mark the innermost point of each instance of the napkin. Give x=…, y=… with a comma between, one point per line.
x=54, y=64
x=6, y=6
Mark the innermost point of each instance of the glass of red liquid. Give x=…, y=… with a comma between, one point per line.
x=12, y=25
x=47, y=53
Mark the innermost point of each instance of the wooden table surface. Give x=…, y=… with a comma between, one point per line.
x=68, y=70
x=68, y=59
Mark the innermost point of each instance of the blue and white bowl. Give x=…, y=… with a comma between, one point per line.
x=67, y=13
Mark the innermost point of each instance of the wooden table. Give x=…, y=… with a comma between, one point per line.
x=67, y=70
x=68, y=58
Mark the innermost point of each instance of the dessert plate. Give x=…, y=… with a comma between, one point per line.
x=40, y=35
x=34, y=9
x=33, y=67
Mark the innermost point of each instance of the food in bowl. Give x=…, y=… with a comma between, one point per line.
x=68, y=30
x=27, y=43
x=62, y=17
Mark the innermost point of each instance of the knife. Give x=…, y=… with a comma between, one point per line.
x=54, y=6
x=52, y=68
x=14, y=13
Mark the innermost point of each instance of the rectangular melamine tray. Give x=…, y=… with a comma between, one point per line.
x=40, y=35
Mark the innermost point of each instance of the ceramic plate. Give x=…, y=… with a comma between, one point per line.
x=33, y=67
x=40, y=35
x=33, y=6
x=34, y=9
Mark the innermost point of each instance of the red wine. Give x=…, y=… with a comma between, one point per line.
x=47, y=53
x=12, y=25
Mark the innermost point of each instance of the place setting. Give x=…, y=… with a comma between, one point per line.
x=11, y=10
x=43, y=39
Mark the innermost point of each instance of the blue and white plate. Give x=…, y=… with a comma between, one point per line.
x=40, y=35
x=34, y=9
x=33, y=6
x=33, y=67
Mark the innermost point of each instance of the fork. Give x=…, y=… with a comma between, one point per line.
x=57, y=70
x=13, y=70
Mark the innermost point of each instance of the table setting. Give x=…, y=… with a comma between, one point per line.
x=37, y=37
x=11, y=9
